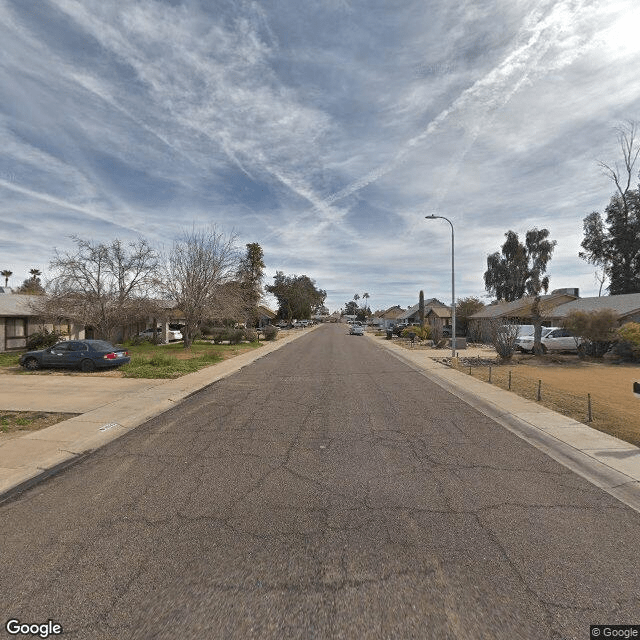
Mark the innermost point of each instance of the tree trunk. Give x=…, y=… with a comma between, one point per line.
x=536, y=320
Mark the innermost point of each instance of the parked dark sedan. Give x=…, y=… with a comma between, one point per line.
x=87, y=355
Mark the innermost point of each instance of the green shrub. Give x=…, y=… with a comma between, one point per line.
x=235, y=336
x=596, y=328
x=218, y=334
x=270, y=332
x=43, y=339
x=422, y=333
x=251, y=335
x=628, y=346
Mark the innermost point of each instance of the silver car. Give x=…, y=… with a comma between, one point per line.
x=552, y=339
x=559, y=339
x=357, y=329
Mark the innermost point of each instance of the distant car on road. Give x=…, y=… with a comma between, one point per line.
x=357, y=329
x=86, y=355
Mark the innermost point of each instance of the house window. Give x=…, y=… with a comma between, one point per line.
x=15, y=333
x=16, y=328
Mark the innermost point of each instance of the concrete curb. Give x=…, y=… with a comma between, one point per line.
x=29, y=459
x=607, y=462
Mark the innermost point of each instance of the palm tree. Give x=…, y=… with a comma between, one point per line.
x=35, y=273
x=356, y=298
x=6, y=274
x=366, y=297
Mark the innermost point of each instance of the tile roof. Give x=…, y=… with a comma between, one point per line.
x=392, y=313
x=428, y=304
x=266, y=311
x=624, y=304
x=440, y=312
x=14, y=304
x=521, y=307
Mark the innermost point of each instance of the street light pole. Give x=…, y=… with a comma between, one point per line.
x=453, y=284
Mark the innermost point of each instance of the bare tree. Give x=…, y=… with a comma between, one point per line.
x=105, y=286
x=600, y=276
x=198, y=275
x=612, y=242
x=503, y=337
x=630, y=150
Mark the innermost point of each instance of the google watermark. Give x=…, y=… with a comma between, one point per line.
x=598, y=631
x=46, y=629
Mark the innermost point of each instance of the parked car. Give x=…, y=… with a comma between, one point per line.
x=559, y=339
x=552, y=339
x=151, y=334
x=357, y=329
x=86, y=355
x=521, y=329
x=525, y=342
x=446, y=331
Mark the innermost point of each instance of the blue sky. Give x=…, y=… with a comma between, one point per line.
x=324, y=131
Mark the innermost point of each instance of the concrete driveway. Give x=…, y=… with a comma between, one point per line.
x=67, y=394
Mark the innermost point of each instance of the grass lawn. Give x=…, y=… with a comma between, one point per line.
x=173, y=360
x=9, y=359
x=151, y=360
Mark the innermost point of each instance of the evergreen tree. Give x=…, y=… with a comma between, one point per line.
x=250, y=275
x=297, y=296
x=519, y=270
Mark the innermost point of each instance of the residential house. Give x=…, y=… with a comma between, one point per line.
x=387, y=319
x=438, y=317
x=265, y=316
x=437, y=313
x=626, y=306
x=481, y=324
x=18, y=321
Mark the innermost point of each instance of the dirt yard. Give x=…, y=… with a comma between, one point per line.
x=565, y=386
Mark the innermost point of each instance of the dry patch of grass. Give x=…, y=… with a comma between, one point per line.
x=25, y=421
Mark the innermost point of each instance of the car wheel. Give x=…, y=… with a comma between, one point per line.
x=87, y=366
x=31, y=364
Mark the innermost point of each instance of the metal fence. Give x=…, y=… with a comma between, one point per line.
x=579, y=405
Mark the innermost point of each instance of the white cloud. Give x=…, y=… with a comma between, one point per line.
x=325, y=132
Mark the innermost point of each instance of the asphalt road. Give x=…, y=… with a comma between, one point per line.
x=326, y=491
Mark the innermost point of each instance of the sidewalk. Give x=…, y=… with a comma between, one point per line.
x=30, y=458
x=609, y=463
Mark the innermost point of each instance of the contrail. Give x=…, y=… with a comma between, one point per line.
x=65, y=204
x=488, y=94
